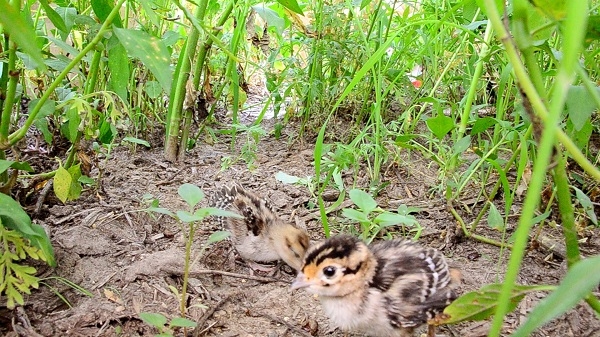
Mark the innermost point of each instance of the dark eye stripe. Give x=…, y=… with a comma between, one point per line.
x=335, y=247
x=348, y=271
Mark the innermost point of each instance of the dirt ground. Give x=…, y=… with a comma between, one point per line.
x=131, y=261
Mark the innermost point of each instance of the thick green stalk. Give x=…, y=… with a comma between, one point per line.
x=13, y=79
x=573, y=36
x=19, y=134
x=563, y=195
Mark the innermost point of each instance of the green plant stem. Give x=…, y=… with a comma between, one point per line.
x=21, y=132
x=477, y=237
x=10, y=95
x=563, y=195
x=186, y=267
x=573, y=31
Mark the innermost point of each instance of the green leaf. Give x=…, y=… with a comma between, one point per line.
x=440, y=125
x=102, y=8
x=191, y=194
x=151, y=51
x=286, y=178
x=183, y=322
x=156, y=320
x=14, y=217
x=391, y=219
x=56, y=19
x=355, y=215
x=579, y=106
x=291, y=5
x=218, y=236
x=68, y=15
x=73, y=123
x=5, y=164
x=482, y=124
x=462, y=145
x=577, y=284
x=481, y=304
x=494, y=219
x=136, y=141
x=20, y=32
x=555, y=9
x=587, y=205
x=62, y=183
x=118, y=65
x=188, y=217
x=270, y=16
x=153, y=89
x=161, y=210
x=363, y=200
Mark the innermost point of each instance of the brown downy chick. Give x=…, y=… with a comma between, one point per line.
x=388, y=288
x=261, y=235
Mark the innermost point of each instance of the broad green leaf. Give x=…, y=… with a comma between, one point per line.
x=270, y=16
x=20, y=32
x=191, y=194
x=363, y=200
x=218, y=236
x=481, y=304
x=73, y=122
x=291, y=5
x=171, y=37
x=391, y=219
x=147, y=5
x=5, y=164
x=102, y=9
x=593, y=28
x=42, y=241
x=14, y=217
x=68, y=15
x=56, y=19
x=75, y=190
x=107, y=132
x=482, y=124
x=156, y=320
x=151, y=51
x=182, y=322
x=581, y=137
x=62, y=183
x=188, y=217
x=587, y=205
x=555, y=9
x=153, y=89
x=581, y=279
x=462, y=145
x=286, y=178
x=494, y=219
x=580, y=106
x=118, y=65
x=355, y=215
x=136, y=141
x=440, y=125
x=161, y=210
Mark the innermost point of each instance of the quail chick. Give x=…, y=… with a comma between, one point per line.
x=261, y=235
x=386, y=289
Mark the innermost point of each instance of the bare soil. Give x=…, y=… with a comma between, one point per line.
x=131, y=261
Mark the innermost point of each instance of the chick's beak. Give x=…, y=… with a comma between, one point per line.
x=300, y=281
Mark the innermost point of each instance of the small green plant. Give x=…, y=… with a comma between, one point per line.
x=159, y=321
x=191, y=218
x=373, y=219
x=20, y=239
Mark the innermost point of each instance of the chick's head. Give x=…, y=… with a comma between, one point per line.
x=291, y=244
x=336, y=267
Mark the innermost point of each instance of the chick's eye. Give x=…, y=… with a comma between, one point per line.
x=329, y=271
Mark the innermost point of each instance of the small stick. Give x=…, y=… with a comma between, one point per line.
x=42, y=197
x=197, y=330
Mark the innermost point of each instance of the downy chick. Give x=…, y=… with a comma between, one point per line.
x=388, y=288
x=261, y=235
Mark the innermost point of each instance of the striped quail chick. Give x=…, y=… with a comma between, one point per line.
x=386, y=289
x=261, y=235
